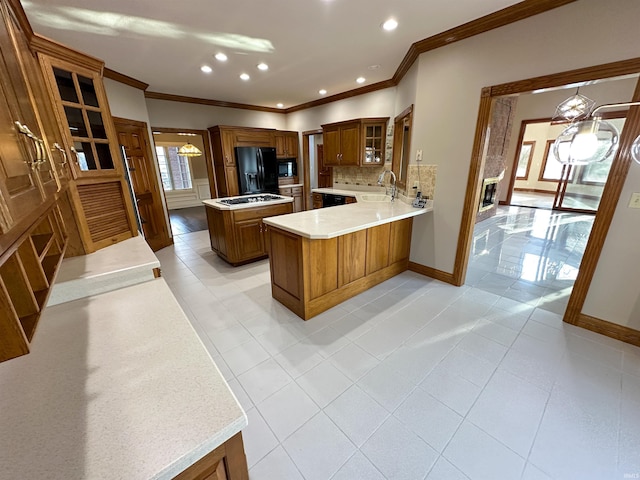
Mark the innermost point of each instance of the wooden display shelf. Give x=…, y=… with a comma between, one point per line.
x=26, y=278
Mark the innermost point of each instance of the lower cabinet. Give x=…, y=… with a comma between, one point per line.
x=227, y=462
x=298, y=197
x=239, y=236
x=317, y=200
x=310, y=276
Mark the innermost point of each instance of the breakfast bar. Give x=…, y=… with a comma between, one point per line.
x=320, y=258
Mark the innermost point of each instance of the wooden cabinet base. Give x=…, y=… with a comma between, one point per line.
x=310, y=276
x=227, y=462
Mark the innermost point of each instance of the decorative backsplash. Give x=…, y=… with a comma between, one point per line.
x=345, y=177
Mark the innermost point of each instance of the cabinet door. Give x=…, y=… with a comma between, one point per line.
x=231, y=179
x=400, y=240
x=281, y=147
x=291, y=145
x=332, y=147
x=378, y=247
x=250, y=239
x=374, y=143
x=350, y=145
x=317, y=200
x=227, y=148
x=298, y=199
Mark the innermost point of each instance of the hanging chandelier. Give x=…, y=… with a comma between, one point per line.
x=189, y=150
x=574, y=107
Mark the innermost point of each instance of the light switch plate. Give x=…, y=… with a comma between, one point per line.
x=419, y=156
x=635, y=200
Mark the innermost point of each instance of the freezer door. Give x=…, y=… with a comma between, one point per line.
x=248, y=171
x=269, y=170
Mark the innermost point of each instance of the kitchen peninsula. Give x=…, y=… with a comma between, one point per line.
x=319, y=258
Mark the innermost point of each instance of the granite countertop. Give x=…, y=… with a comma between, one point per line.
x=215, y=202
x=117, y=385
x=336, y=191
x=116, y=266
x=332, y=222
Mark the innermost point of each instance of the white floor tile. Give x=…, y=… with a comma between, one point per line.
x=323, y=383
x=264, y=380
x=398, y=453
x=328, y=341
x=353, y=361
x=276, y=464
x=257, y=437
x=287, y=410
x=481, y=457
x=443, y=470
x=245, y=356
x=468, y=366
x=358, y=467
x=319, y=448
x=225, y=340
x=277, y=339
x=241, y=395
x=510, y=409
x=386, y=386
x=531, y=472
x=483, y=347
x=428, y=418
x=299, y=358
x=456, y=392
x=356, y=414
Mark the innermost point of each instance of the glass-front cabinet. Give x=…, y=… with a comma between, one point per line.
x=82, y=108
x=374, y=137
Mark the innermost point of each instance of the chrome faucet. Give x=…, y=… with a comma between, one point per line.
x=393, y=182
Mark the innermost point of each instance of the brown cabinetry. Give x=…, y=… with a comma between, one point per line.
x=317, y=200
x=286, y=144
x=310, y=276
x=298, y=197
x=239, y=236
x=359, y=142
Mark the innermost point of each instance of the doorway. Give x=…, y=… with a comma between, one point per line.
x=133, y=138
x=316, y=174
x=184, y=179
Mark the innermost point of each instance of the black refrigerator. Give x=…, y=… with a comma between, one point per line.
x=257, y=170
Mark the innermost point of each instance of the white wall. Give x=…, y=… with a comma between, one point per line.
x=168, y=114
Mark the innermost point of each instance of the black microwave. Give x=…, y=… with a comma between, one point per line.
x=287, y=167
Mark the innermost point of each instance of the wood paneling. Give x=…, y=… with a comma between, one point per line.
x=432, y=273
x=286, y=255
x=352, y=249
x=400, y=240
x=321, y=266
x=104, y=211
x=378, y=247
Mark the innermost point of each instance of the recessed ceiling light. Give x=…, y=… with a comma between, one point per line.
x=263, y=66
x=373, y=67
x=361, y=79
x=322, y=92
x=221, y=57
x=390, y=24
x=157, y=133
x=280, y=105
x=244, y=76
x=206, y=69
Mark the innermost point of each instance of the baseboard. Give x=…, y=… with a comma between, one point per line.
x=534, y=190
x=613, y=330
x=432, y=272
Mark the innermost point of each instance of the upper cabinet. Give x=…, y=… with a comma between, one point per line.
x=81, y=103
x=286, y=144
x=359, y=142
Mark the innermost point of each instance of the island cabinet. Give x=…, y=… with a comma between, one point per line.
x=310, y=276
x=239, y=236
x=298, y=196
x=359, y=142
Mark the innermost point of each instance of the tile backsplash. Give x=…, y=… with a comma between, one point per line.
x=345, y=177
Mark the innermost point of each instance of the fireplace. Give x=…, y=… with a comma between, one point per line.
x=488, y=194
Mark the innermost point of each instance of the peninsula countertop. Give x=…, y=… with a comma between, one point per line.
x=332, y=222
x=117, y=385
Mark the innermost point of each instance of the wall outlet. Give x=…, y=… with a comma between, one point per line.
x=419, y=156
x=635, y=200
x=416, y=184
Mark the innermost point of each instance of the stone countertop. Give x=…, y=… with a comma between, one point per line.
x=336, y=191
x=117, y=385
x=332, y=222
x=291, y=185
x=215, y=202
x=125, y=263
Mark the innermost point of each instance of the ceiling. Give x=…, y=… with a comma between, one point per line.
x=308, y=44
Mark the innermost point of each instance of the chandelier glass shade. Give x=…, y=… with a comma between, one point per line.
x=589, y=141
x=189, y=150
x=574, y=107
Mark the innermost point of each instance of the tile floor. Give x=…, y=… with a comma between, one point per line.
x=417, y=379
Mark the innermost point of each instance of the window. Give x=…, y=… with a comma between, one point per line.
x=552, y=170
x=174, y=169
x=524, y=160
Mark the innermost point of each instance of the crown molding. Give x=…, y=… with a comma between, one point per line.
x=54, y=49
x=213, y=103
x=122, y=78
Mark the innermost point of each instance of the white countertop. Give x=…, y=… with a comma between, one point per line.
x=117, y=385
x=116, y=266
x=215, y=202
x=336, y=191
x=335, y=221
x=291, y=185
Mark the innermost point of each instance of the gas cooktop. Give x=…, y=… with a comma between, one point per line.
x=250, y=199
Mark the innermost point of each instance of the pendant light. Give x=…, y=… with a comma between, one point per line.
x=591, y=140
x=189, y=150
x=574, y=107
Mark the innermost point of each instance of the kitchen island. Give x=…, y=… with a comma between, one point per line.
x=319, y=258
x=236, y=230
